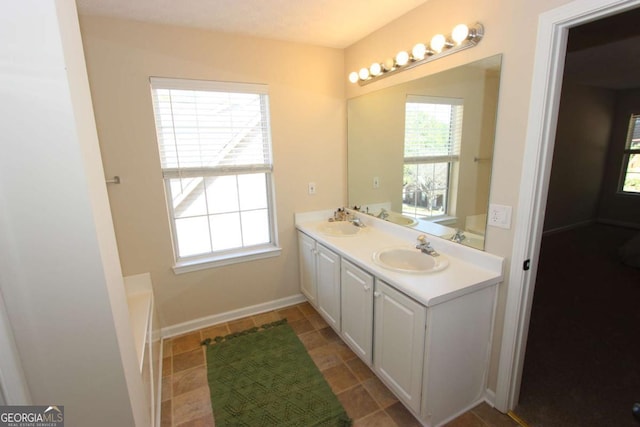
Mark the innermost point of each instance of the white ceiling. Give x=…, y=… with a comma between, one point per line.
x=330, y=23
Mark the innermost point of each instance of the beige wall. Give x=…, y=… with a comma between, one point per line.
x=511, y=28
x=585, y=118
x=309, y=143
x=487, y=140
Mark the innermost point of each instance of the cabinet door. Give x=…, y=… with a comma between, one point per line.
x=307, y=259
x=357, y=309
x=399, y=343
x=328, y=285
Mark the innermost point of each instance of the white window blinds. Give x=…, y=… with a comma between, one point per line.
x=633, y=137
x=433, y=128
x=206, y=128
x=630, y=182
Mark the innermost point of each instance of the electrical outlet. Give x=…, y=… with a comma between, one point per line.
x=499, y=216
x=312, y=188
x=376, y=182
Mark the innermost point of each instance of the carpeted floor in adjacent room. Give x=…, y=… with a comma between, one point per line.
x=582, y=362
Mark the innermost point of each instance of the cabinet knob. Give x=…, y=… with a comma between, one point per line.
x=377, y=294
x=367, y=288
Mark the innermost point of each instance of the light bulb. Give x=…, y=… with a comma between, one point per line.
x=353, y=77
x=437, y=43
x=419, y=51
x=402, y=58
x=375, y=69
x=388, y=64
x=460, y=33
x=363, y=73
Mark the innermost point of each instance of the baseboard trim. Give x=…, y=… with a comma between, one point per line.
x=490, y=397
x=590, y=222
x=619, y=223
x=568, y=227
x=203, y=322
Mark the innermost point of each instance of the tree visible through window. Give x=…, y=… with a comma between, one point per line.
x=630, y=182
x=433, y=129
x=215, y=153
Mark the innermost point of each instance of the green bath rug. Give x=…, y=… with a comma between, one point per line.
x=265, y=377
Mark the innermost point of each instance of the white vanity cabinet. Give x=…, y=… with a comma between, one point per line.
x=457, y=347
x=434, y=359
x=307, y=257
x=399, y=336
x=320, y=278
x=328, y=284
x=357, y=310
x=426, y=336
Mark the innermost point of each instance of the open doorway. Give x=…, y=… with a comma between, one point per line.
x=581, y=364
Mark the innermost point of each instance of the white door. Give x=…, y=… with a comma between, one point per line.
x=328, y=285
x=399, y=343
x=357, y=310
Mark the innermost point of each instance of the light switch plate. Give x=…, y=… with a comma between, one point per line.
x=376, y=182
x=499, y=216
x=312, y=188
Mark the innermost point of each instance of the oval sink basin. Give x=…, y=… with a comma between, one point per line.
x=402, y=220
x=409, y=260
x=339, y=228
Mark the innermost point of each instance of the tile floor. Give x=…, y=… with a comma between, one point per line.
x=185, y=393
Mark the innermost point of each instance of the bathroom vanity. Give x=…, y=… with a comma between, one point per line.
x=425, y=330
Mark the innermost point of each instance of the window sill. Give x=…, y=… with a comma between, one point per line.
x=443, y=219
x=213, y=261
x=627, y=193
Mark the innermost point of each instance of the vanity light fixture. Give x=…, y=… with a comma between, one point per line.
x=375, y=69
x=388, y=65
x=402, y=58
x=439, y=42
x=462, y=37
x=460, y=33
x=419, y=51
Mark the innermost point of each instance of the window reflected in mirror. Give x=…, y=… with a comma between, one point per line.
x=420, y=153
x=432, y=134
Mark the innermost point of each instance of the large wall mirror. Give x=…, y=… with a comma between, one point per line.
x=420, y=153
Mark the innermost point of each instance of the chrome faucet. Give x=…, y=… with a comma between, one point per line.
x=356, y=221
x=383, y=214
x=339, y=215
x=458, y=237
x=425, y=246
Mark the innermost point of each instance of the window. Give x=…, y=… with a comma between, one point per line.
x=215, y=153
x=433, y=130
x=630, y=182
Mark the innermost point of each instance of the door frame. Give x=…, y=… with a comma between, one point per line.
x=551, y=45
